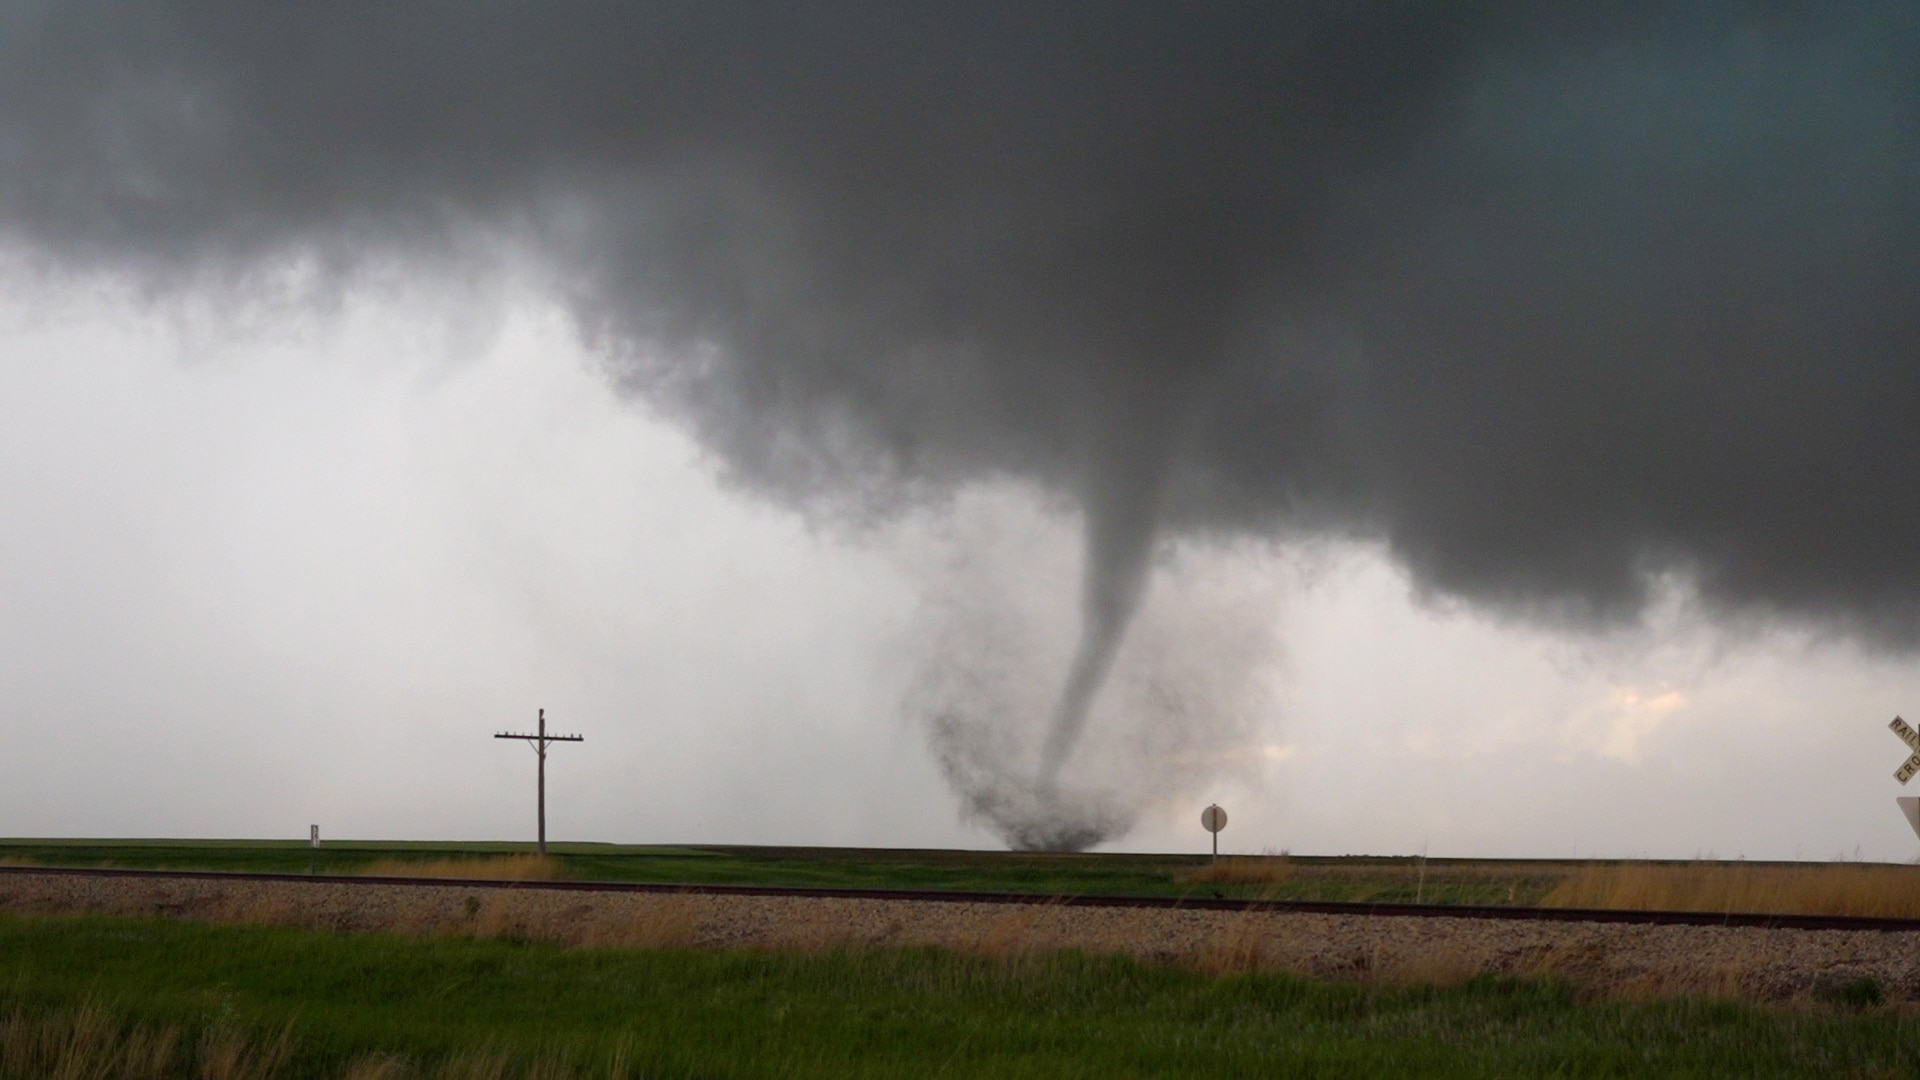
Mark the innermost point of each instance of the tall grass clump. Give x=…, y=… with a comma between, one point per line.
x=84, y=1041
x=524, y=867
x=1875, y=890
x=89, y=1042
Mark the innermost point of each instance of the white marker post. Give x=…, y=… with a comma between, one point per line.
x=1213, y=819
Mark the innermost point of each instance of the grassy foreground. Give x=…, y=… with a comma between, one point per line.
x=163, y=998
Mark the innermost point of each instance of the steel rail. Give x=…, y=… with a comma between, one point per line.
x=1094, y=900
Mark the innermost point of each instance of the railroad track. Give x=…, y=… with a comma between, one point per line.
x=1314, y=907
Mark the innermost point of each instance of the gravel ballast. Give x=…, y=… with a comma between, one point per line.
x=1761, y=962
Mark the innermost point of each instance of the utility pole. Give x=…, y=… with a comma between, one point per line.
x=539, y=743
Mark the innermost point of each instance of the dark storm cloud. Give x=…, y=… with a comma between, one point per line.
x=1551, y=303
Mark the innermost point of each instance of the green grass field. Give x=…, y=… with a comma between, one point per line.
x=1842, y=888
x=393, y=1007
x=1446, y=881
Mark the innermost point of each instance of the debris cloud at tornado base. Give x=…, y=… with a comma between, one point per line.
x=1551, y=305
x=1190, y=702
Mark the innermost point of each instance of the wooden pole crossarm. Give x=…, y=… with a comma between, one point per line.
x=538, y=742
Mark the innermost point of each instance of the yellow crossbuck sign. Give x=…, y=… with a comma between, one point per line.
x=1912, y=738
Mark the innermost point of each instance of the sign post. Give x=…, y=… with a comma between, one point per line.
x=1909, y=806
x=1213, y=819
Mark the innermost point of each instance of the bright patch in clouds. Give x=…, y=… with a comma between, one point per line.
x=1617, y=727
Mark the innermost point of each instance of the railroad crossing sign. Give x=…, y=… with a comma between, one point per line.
x=1912, y=738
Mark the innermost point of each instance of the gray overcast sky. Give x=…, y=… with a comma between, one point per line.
x=1477, y=426
x=265, y=571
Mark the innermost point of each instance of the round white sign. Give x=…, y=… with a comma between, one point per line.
x=1213, y=819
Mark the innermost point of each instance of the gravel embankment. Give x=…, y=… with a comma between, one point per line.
x=1766, y=963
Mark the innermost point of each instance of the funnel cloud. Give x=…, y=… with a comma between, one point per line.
x=1187, y=705
x=1552, y=305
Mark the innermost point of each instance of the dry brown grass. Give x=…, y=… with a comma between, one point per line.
x=813, y=929
x=1864, y=889
x=83, y=1042
x=254, y=909
x=1438, y=964
x=651, y=922
x=378, y=1067
x=526, y=867
x=90, y=1043
x=1014, y=931
x=227, y=1054
x=480, y=1063
x=1241, y=948
x=1248, y=946
x=1728, y=980
x=1587, y=963
x=655, y=922
x=1250, y=943
x=1240, y=870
